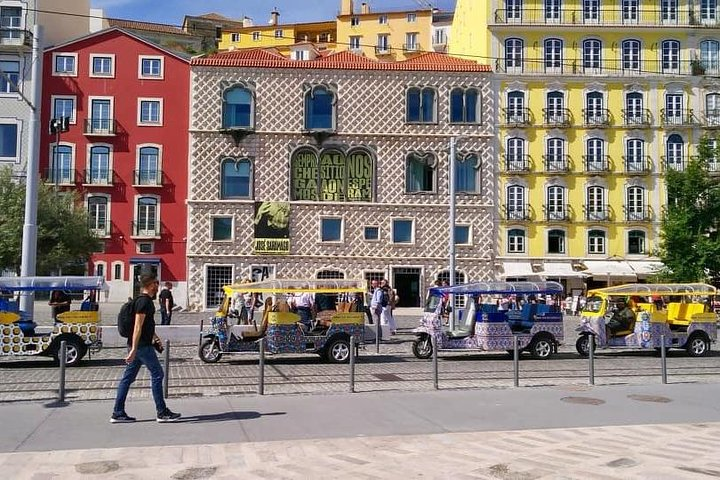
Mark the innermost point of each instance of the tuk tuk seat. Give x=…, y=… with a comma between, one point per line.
x=259, y=333
x=467, y=326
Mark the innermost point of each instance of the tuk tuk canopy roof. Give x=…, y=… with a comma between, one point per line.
x=500, y=288
x=39, y=284
x=298, y=286
x=645, y=289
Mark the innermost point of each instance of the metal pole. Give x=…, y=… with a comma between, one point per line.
x=352, y=364
x=378, y=336
x=166, y=378
x=29, y=241
x=591, y=358
x=261, y=372
x=433, y=341
x=516, y=362
x=451, y=245
x=663, y=359
x=63, y=358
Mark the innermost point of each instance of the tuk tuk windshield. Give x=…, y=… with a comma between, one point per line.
x=593, y=304
x=298, y=286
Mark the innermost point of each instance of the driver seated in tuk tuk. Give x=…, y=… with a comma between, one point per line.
x=622, y=319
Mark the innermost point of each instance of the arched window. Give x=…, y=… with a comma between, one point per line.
x=467, y=170
x=631, y=55
x=514, y=54
x=421, y=105
x=420, y=172
x=635, y=109
x=238, y=108
x=596, y=241
x=670, y=56
x=674, y=152
x=515, y=111
x=147, y=223
x=235, y=181
x=515, y=155
x=555, y=108
x=148, y=172
x=636, y=242
x=61, y=170
x=592, y=55
x=516, y=240
x=99, y=169
x=464, y=105
x=515, y=207
x=595, y=155
x=320, y=104
x=635, y=155
x=553, y=54
x=555, y=208
x=710, y=55
x=555, y=160
x=712, y=109
x=98, y=214
x=595, y=208
x=635, y=204
x=556, y=241
x=595, y=113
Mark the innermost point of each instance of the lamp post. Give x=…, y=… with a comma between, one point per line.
x=451, y=245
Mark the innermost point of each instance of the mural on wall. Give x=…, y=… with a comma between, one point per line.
x=332, y=175
x=272, y=228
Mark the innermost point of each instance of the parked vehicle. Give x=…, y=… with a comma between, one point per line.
x=280, y=329
x=21, y=335
x=680, y=311
x=492, y=326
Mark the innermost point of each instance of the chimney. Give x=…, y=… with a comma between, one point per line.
x=247, y=22
x=365, y=8
x=274, y=16
x=346, y=7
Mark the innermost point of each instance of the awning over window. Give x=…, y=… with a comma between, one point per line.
x=516, y=270
x=645, y=267
x=560, y=270
x=150, y=260
x=609, y=269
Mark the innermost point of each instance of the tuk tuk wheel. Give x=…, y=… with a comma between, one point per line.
x=583, y=345
x=697, y=345
x=338, y=351
x=541, y=347
x=422, y=347
x=74, y=350
x=209, y=351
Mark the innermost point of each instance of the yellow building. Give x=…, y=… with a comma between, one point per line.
x=597, y=99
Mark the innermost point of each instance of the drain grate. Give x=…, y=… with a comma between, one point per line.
x=387, y=377
x=650, y=398
x=583, y=400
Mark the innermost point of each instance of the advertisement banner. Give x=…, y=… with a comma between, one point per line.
x=272, y=228
x=332, y=175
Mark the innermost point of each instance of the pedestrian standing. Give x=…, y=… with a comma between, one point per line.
x=368, y=301
x=142, y=344
x=388, y=300
x=166, y=304
x=376, y=302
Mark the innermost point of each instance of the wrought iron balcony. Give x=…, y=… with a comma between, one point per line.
x=100, y=127
x=100, y=230
x=59, y=176
x=557, y=117
x=596, y=213
x=711, y=164
x=678, y=117
x=607, y=67
x=517, y=117
x=12, y=35
x=145, y=229
x=98, y=177
x=596, y=163
x=517, y=163
x=596, y=117
x=144, y=178
x=557, y=213
x=635, y=213
x=637, y=117
x=637, y=165
x=411, y=47
x=711, y=118
x=384, y=50
x=516, y=212
x=557, y=163
x=673, y=163
x=647, y=16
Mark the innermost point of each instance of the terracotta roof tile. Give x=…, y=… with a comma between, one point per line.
x=145, y=26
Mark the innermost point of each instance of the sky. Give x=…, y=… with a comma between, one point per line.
x=291, y=11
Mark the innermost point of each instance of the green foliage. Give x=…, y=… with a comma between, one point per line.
x=690, y=245
x=63, y=235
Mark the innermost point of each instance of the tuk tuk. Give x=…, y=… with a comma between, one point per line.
x=327, y=333
x=21, y=335
x=494, y=313
x=680, y=311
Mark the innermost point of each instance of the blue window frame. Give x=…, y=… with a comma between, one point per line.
x=462, y=234
x=99, y=171
x=235, y=181
x=148, y=165
x=222, y=228
x=238, y=108
x=371, y=233
x=421, y=105
x=8, y=140
x=464, y=105
x=466, y=173
x=402, y=231
x=331, y=229
x=319, y=109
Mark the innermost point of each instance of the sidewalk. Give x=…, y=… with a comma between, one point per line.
x=668, y=431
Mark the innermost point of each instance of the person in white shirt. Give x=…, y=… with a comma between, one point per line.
x=304, y=305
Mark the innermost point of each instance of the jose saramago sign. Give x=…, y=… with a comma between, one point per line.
x=332, y=175
x=272, y=227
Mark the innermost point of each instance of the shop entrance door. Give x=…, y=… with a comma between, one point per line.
x=407, y=283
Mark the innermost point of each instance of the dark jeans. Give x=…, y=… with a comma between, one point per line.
x=305, y=316
x=165, y=317
x=145, y=356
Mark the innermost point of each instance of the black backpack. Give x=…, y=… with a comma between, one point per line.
x=126, y=319
x=385, y=298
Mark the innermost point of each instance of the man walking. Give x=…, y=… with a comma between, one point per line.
x=142, y=345
x=166, y=304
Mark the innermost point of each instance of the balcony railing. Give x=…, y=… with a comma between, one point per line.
x=518, y=117
x=642, y=16
x=100, y=126
x=383, y=50
x=101, y=230
x=516, y=212
x=517, y=163
x=145, y=229
x=557, y=163
x=144, y=178
x=673, y=163
x=637, y=165
x=557, y=213
x=411, y=47
x=635, y=213
x=711, y=164
x=711, y=118
x=557, y=117
x=596, y=213
x=596, y=163
x=607, y=67
x=596, y=117
x=99, y=177
x=678, y=117
x=61, y=176
x=637, y=118
x=12, y=36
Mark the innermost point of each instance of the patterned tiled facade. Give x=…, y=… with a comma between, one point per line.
x=370, y=114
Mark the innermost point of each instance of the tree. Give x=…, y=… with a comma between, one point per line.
x=64, y=237
x=690, y=244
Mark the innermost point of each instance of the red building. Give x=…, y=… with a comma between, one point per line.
x=125, y=150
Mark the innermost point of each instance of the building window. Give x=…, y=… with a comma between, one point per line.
x=635, y=155
x=234, y=37
x=674, y=109
x=595, y=155
x=555, y=160
x=592, y=56
x=514, y=10
x=216, y=277
x=355, y=43
x=555, y=207
x=371, y=234
x=462, y=235
x=712, y=109
x=631, y=55
x=63, y=107
x=595, y=208
x=102, y=65
x=411, y=17
x=629, y=11
x=98, y=215
x=99, y=172
x=256, y=36
x=556, y=241
x=147, y=224
x=634, y=108
x=464, y=105
x=513, y=54
x=9, y=76
x=710, y=56
x=515, y=111
x=150, y=112
x=148, y=166
x=320, y=103
x=552, y=10
x=421, y=105
x=670, y=56
x=300, y=55
x=331, y=230
x=354, y=21
x=467, y=169
x=420, y=172
x=222, y=229
x=235, y=179
x=596, y=242
x=383, y=43
x=553, y=55
x=402, y=231
x=383, y=19
x=636, y=242
x=65, y=64
x=516, y=240
x=555, y=108
x=595, y=108
x=591, y=11
x=117, y=271
x=99, y=269
x=9, y=142
x=635, y=206
x=61, y=162
x=151, y=67
x=674, y=152
x=238, y=109
x=669, y=11
x=708, y=11
x=101, y=116
x=515, y=207
x=515, y=155
x=411, y=41
x=278, y=33
x=11, y=22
